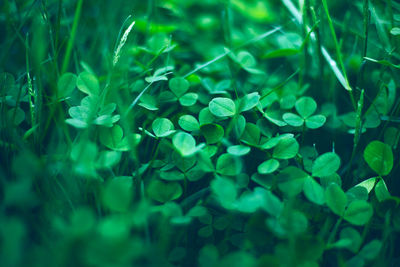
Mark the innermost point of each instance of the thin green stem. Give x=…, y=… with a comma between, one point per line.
x=71, y=40
x=339, y=53
x=334, y=230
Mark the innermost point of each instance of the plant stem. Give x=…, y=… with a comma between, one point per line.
x=334, y=230
x=71, y=40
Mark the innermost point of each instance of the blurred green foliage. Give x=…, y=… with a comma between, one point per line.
x=199, y=133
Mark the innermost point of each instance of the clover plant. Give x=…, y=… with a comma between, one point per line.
x=200, y=133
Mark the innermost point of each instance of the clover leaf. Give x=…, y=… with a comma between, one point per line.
x=188, y=123
x=379, y=157
x=222, y=107
x=162, y=127
x=88, y=83
x=305, y=107
x=185, y=144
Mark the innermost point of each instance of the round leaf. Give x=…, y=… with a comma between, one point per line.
x=188, y=123
x=294, y=222
x=359, y=212
x=225, y=191
x=353, y=237
x=291, y=180
x=293, y=119
x=66, y=84
x=251, y=134
x=268, y=166
x=118, y=193
x=336, y=199
x=379, y=157
x=188, y=99
x=313, y=191
x=113, y=138
x=162, y=127
x=325, y=165
x=228, y=165
x=286, y=149
x=315, y=121
x=381, y=191
x=163, y=192
x=88, y=83
x=238, y=150
x=249, y=101
x=222, y=107
x=213, y=133
x=184, y=143
x=178, y=86
x=305, y=106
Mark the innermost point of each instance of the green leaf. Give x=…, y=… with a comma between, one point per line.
x=222, y=107
x=66, y=84
x=274, y=116
x=357, y=192
x=313, y=191
x=287, y=148
x=379, y=157
x=162, y=127
x=293, y=119
x=359, y=212
x=108, y=159
x=205, y=116
x=148, y=102
x=305, y=106
x=368, y=184
x=251, y=134
x=246, y=60
x=184, y=143
x=188, y=123
x=395, y=31
x=183, y=163
x=172, y=175
x=268, y=166
x=225, y=191
x=188, y=99
x=155, y=78
x=336, y=199
x=274, y=141
x=333, y=178
x=250, y=202
x=88, y=83
x=353, y=237
x=325, y=165
x=248, y=102
x=272, y=204
x=265, y=180
x=371, y=250
x=238, y=150
x=213, y=133
x=291, y=180
x=381, y=191
x=118, y=193
x=239, y=125
x=294, y=222
x=178, y=86
x=315, y=121
x=84, y=155
x=113, y=138
x=228, y=165
x=163, y=192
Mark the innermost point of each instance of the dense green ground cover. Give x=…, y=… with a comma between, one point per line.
x=199, y=133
